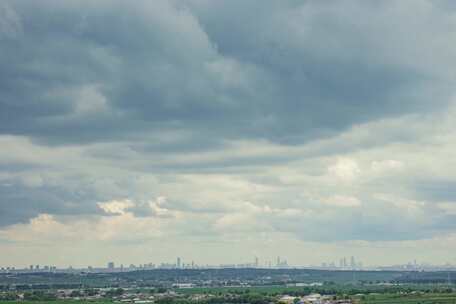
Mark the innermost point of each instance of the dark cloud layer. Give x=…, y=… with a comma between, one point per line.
x=20, y=203
x=287, y=72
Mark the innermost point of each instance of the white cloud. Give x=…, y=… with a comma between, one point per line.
x=448, y=207
x=386, y=166
x=405, y=205
x=345, y=169
x=116, y=207
x=342, y=201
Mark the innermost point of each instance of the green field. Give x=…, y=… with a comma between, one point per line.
x=419, y=298
x=410, y=299
x=57, y=302
x=253, y=289
x=346, y=289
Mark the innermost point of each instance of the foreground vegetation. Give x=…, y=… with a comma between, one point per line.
x=415, y=298
x=350, y=293
x=388, y=298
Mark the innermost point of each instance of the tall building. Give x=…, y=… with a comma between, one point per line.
x=178, y=263
x=352, y=262
x=256, y=261
x=111, y=265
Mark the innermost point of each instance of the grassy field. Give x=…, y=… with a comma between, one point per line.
x=57, y=302
x=432, y=298
x=424, y=298
x=253, y=289
x=328, y=289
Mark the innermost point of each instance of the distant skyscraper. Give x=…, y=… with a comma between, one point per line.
x=111, y=265
x=256, y=261
x=178, y=264
x=352, y=262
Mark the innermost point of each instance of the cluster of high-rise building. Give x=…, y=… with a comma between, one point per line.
x=42, y=269
x=31, y=268
x=180, y=264
x=147, y=266
x=344, y=263
x=280, y=263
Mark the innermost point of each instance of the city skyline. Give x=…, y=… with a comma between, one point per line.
x=344, y=263
x=220, y=131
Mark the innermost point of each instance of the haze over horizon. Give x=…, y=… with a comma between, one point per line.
x=216, y=131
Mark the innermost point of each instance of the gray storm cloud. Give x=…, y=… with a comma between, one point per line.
x=327, y=121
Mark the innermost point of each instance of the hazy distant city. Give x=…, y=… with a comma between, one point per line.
x=344, y=263
x=181, y=282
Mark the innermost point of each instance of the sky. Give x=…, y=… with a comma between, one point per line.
x=218, y=131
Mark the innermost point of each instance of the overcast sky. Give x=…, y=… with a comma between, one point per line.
x=222, y=130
